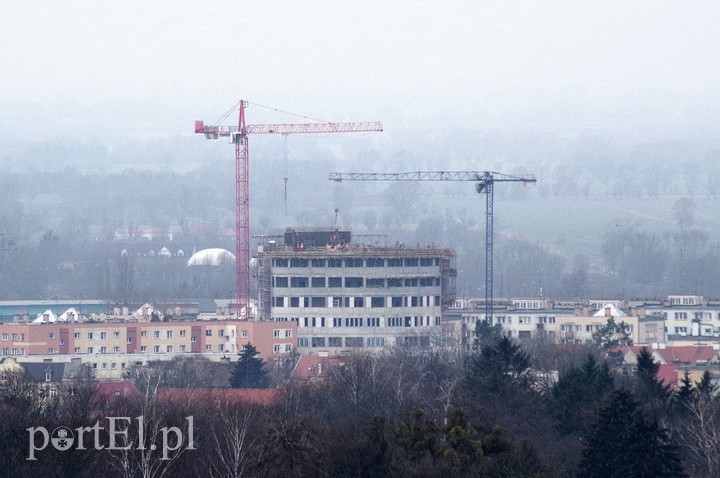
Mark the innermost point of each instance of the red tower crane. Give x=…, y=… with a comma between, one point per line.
x=239, y=137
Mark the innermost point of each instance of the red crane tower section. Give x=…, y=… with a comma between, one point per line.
x=239, y=137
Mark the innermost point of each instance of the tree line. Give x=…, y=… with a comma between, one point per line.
x=496, y=412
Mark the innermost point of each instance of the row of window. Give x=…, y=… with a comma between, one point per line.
x=15, y=337
x=358, y=262
x=157, y=349
x=407, y=321
x=524, y=320
x=356, y=342
x=337, y=282
x=348, y=302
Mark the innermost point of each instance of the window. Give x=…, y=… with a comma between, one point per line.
x=318, y=302
x=169, y=334
x=193, y=339
x=89, y=350
x=395, y=321
x=337, y=321
x=129, y=340
x=15, y=337
x=373, y=321
x=244, y=334
x=90, y=335
x=353, y=322
x=288, y=348
x=5, y=337
x=116, y=349
x=377, y=302
x=411, y=282
x=395, y=262
x=375, y=283
x=680, y=315
x=298, y=262
x=182, y=333
x=51, y=336
x=375, y=262
x=280, y=262
x=394, y=282
x=278, y=302
x=143, y=333
x=427, y=281
x=156, y=334
x=221, y=333
x=103, y=335
x=426, y=261
x=353, y=341
x=302, y=342
x=335, y=342
x=359, y=302
x=353, y=262
x=62, y=341
x=208, y=347
x=318, y=342
x=103, y=350
x=51, y=350
x=182, y=348
x=281, y=281
x=77, y=335
x=318, y=282
x=335, y=282
x=208, y=332
x=48, y=376
x=396, y=302
x=116, y=335
x=277, y=348
x=156, y=349
x=411, y=262
x=298, y=282
x=294, y=302
x=77, y=350
x=288, y=332
x=353, y=282
x=276, y=333
x=113, y=365
x=376, y=341
x=169, y=349
x=317, y=262
x=334, y=262
x=143, y=348
x=414, y=301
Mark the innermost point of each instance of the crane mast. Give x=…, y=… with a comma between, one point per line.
x=484, y=180
x=238, y=135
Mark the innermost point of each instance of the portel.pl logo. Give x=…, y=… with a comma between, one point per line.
x=117, y=436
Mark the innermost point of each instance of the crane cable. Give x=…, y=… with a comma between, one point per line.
x=289, y=113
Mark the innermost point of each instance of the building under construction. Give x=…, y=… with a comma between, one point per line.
x=346, y=295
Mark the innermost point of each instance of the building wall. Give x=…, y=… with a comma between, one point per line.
x=360, y=297
x=117, y=338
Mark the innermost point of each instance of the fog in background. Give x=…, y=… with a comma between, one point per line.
x=614, y=107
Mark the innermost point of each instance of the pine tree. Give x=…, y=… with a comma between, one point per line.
x=249, y=371
x=577, y=393
x=650, y=389
x=624, y=441
x=706, y=388
x=686, y=393
x=498, y=366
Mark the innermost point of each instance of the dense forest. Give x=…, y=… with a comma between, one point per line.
x=605, y=219
x=493, y=413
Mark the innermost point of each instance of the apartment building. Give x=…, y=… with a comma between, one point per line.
x=138, y=338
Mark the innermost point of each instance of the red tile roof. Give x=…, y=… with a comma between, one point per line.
x=315, y=367
x=687, y=355
x=668, y=374
x=219, y=396
x=107, y=392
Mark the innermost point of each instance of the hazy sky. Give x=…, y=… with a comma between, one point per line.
x=151, y=67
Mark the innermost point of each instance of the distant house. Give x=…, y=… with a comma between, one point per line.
x=315, y=368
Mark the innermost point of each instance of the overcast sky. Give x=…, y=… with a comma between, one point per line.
x=151, y=67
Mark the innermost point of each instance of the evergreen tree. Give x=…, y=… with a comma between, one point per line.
x=249, y=371
x=625, y=442
x=686, y=393
x=612, y=335
x=576, y=394
x=706, y=388
x=650, y=388
x=497, y=366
